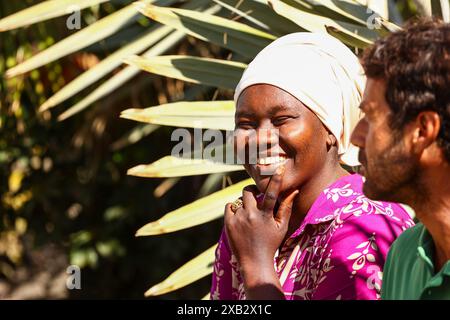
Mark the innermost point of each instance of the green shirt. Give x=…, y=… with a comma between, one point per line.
x=409, y=272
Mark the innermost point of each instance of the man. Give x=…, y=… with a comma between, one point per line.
x=404, y=141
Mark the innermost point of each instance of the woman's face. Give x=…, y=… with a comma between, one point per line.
x=285, y=132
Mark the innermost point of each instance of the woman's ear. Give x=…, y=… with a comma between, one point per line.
x=331, y=140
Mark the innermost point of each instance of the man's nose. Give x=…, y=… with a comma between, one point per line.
x=358, y=137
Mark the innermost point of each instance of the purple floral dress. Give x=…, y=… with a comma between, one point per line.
x=338, y=252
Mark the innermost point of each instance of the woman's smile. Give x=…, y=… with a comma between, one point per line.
x=266, y=165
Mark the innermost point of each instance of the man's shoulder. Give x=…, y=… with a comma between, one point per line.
x=408, y=240
x=398, y=279
x=410, y=236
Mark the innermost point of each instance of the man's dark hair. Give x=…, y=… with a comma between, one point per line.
x=415, y=65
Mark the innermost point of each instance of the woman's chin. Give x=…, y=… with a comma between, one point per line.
x=261, y=182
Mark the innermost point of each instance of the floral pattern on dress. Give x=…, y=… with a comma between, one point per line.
x=338, y=252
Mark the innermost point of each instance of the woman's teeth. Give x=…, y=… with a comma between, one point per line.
x=271, y=160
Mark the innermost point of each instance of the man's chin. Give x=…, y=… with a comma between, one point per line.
x=373, y=193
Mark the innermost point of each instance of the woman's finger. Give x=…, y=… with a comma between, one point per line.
x=228, y=213
x=249, y=194
x=273, y=190
x=285, y=210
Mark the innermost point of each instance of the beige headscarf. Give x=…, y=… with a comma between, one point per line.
x=319, y=71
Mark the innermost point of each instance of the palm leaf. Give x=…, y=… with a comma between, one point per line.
x=106, y=66
x=91, y=34
x=207, y=296
x=445, y=8
x=198, y=212
x=44, y=11
x=149, y=38
x=170, y=166
x=212, y=182
x=197, y=268
x=121, y=77
x=244, y=15
x=200, y=114
x=212, y=72
x=127, y=73
x=347, y=38
x=232, y=35
x=260, y=14
x=355, y=35
x=133, y=136
x=343, y=10
x=165, y=186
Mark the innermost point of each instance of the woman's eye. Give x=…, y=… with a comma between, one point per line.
x=281, y=120
x=244, y=125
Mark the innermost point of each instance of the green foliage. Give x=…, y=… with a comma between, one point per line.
x=65, y=182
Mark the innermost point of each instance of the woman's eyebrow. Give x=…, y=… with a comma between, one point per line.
x=244, y=114
x=272, y=111
x=277, y=108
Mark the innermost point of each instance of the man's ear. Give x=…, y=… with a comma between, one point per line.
x=426, y=130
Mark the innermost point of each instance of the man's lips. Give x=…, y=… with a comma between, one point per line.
x=362, y=159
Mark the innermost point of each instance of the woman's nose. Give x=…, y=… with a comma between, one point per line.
x=267, y=136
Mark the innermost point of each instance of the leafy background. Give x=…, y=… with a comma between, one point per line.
x=65, y=195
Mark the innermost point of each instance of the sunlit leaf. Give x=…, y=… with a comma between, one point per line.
x=233, y=35
x=259, y=13
x=207, y=296
x=211, y=183
x=134, y=136
x=445, y=8
x=105, y=66
x=91, y=34
x=149, y=38
x=170, y=166
x=165, y=186
x=127, y=73
x=212, y=72
x=199, y=114
x=351, y=34
x=121, y=77
x=15, y=180
x=342, y=10
x=197, y=268
x=44, y=11
x=198, y=212
x=347, y=38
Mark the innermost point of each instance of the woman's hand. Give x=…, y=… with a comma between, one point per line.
x=255, y=232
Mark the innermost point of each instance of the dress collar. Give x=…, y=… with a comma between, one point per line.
x=335, y=196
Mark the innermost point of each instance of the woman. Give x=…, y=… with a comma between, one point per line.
x=313, y=235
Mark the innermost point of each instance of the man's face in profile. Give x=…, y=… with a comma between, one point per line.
x=388, y=165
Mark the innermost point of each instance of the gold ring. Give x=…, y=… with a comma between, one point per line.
x=236, y=205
